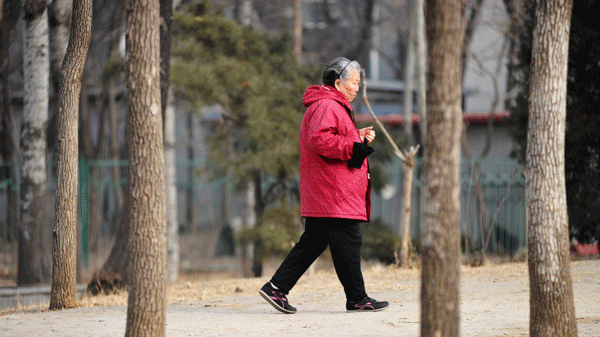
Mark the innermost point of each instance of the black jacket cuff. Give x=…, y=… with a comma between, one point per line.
x=360, y=151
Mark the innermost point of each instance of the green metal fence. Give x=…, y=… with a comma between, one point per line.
x=493, y=217
x=493, y=212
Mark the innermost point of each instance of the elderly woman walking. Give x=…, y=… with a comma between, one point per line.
x=335, y=190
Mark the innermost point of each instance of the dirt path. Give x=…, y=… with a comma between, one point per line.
x=494, y=302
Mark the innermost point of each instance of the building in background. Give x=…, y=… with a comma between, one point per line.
x=374, y=32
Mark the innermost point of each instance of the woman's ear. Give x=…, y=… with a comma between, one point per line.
x=337, y=84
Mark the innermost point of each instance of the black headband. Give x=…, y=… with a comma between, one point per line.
x=341, y=72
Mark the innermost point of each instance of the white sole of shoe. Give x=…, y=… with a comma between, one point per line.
x=374, y=310
x=271, y=302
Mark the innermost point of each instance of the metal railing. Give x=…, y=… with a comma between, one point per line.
x=493, y=210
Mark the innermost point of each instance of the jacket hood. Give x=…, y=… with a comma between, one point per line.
x=318, y=92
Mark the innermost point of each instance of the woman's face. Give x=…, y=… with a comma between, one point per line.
x=350, y=86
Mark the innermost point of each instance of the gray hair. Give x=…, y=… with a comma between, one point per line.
x=339, y=68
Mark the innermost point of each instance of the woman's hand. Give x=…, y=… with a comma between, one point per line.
x=368, y=133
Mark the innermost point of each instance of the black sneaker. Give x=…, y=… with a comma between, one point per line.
x=276, y=298
x=366, y=304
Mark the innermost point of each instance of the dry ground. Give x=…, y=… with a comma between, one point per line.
x=494, y=302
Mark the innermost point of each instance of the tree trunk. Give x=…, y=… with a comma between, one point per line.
x=244, y=12
x=64, y=238
x=298, y=30
x=409, y=74
x=441, y=239
x=407, y=172
x=421, y=59
x=8, y=137
x=114, y=143
x=474, y=9
x=259, y=209
x=552, y=311
x=146, y=310
x=197, y=196
x=168, y=109
x=59, y=13
x=59, y=18
x=35, y=252
x=408, y=169
x=246, y=252
x=171, y=192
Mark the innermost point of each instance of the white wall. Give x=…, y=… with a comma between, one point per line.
x=487, y=50
x=501, y=144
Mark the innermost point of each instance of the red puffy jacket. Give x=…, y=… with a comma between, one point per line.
x=329, y=188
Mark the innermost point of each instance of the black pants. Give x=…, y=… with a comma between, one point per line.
x=345, y=241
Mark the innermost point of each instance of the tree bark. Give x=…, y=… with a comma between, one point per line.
x=64, y=238
x=146, y=310
x=441, y=239
x=34, y=265
x=552, y=310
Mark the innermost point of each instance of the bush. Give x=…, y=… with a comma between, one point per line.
x=277, y=231
x=379, y=242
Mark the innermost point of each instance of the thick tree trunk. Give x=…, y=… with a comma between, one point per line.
x=64, y=238
x=552, y=310
x=34, y=265
x=146, y=310
x=8, y=137
x=441, y=239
